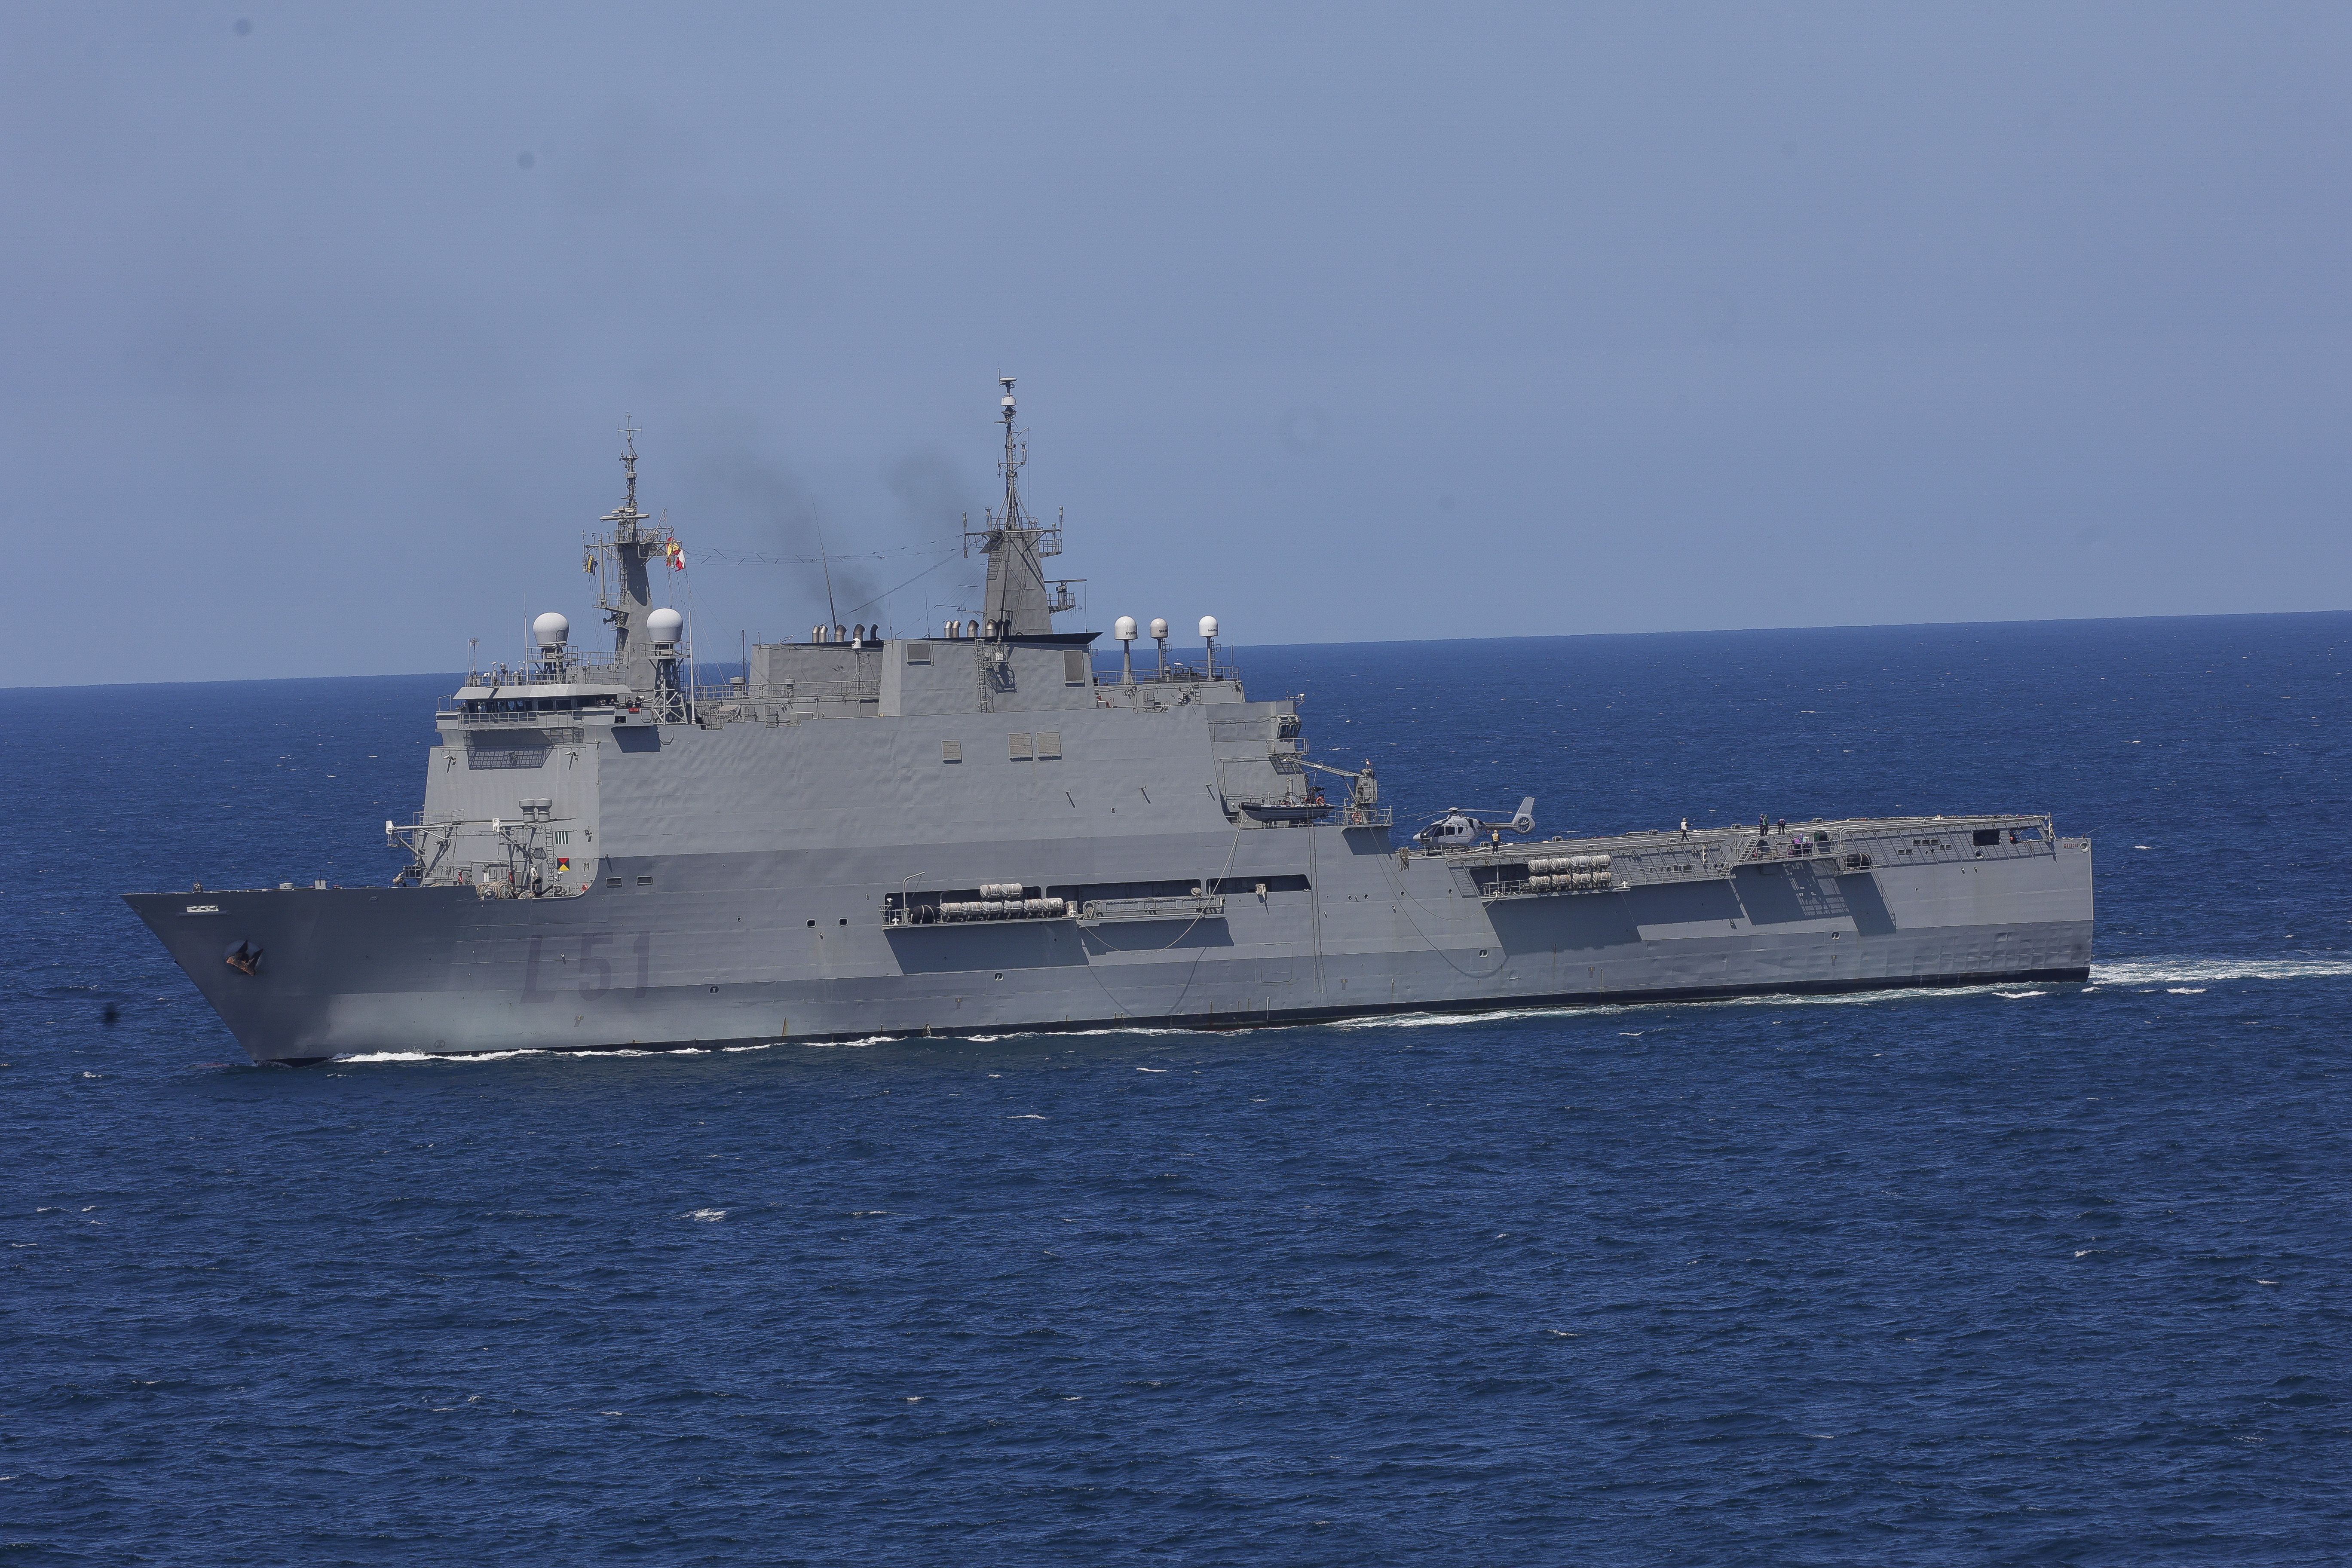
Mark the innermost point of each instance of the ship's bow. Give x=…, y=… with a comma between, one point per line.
x=243, y=952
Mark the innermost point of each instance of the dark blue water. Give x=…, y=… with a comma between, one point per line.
x=2022, y=1274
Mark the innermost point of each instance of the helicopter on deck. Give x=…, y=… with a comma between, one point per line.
x=1458, y=829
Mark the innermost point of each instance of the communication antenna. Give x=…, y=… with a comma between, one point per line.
x=629, y=463
x=1015, y=455
x=831, y=615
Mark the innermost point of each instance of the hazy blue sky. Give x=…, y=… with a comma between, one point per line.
x=1341, y=323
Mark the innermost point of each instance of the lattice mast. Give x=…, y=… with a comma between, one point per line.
x=1020, y=601
x=621, y=560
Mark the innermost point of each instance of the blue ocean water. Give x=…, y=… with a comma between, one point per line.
x=2045, y=1274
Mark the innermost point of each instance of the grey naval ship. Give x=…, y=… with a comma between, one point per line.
x=981, y=831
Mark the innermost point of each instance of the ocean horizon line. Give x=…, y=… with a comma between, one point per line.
x=1237, y=651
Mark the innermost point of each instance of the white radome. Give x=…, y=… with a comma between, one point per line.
x=551, y=629
x=664, y=626
x=1123, y=628
x=1208, y=627
x=1158, y=626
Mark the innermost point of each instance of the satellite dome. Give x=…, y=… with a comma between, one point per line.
x=663, y=626
x=1208, y=627
x=1158, y=626
x=551, y=629
x=1123, y=628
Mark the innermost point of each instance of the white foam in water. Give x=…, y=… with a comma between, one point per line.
x=707, y=1216
x=374, y=1057
x=1500, y=1014
x=1086, y=1033
x=1137, y=1029
x=549, y=1054
x=1577, y=1010
x=2189, y=970
x=2144, y=972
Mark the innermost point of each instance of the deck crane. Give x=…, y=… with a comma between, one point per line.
x=1364, y=788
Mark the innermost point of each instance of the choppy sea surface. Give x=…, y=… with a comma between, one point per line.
x=2018, y=1274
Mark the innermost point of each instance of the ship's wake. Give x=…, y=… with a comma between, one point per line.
x=2197, y=971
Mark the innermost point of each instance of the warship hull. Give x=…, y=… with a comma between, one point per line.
x=980, y=832
x=753, y=948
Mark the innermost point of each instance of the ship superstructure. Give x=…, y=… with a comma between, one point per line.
x=980, y=830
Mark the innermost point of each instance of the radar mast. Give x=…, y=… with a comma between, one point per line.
x=1020, y=601
x=621, y=558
